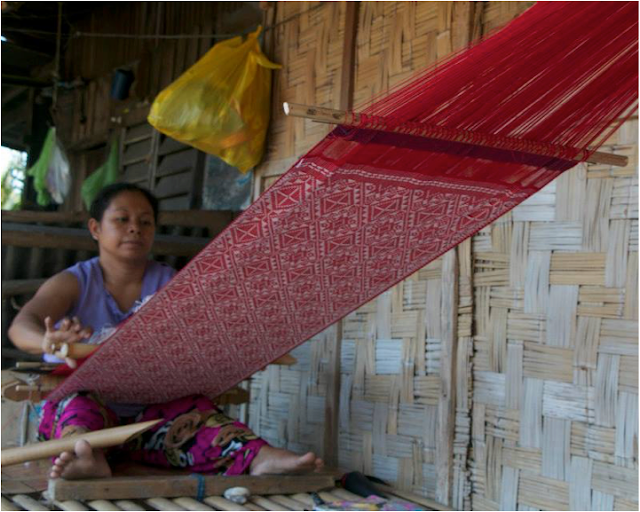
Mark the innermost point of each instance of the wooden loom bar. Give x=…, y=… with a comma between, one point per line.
x=343, y=117
x=18, y=391
x=176, y=486
x=98, y=439
x=82, y=350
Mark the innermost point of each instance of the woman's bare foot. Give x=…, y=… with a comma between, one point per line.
x=83, y=462
x=275, y=461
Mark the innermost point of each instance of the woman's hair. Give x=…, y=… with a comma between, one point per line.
x=106, y=195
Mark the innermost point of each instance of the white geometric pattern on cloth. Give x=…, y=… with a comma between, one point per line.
x=314, y=247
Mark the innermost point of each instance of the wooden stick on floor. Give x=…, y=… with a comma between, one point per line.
x=332, y=116
x=98, y=439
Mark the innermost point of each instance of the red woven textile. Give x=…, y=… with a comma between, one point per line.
x=364, y=208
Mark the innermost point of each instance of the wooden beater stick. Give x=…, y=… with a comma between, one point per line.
x=332, y=116
x=98, y=439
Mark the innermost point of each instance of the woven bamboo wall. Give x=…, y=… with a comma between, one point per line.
x=555, y=373
x=288, y=406
x=545, y=315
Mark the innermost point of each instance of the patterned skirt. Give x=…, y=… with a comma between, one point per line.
x=196, y=435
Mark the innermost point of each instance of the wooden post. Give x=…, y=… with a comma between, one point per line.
x=446, y=400
x=347, y=72
x=332, y=400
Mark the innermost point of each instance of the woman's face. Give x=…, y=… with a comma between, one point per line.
x=127, y=227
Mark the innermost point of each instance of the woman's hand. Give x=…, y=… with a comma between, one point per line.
x=70, y=331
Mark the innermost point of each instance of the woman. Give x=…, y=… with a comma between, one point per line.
x=85, y=303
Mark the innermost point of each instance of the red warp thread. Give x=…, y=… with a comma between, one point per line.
x=365, y=209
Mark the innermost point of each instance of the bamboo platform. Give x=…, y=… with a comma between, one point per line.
x=298, y=501
x=25, y=488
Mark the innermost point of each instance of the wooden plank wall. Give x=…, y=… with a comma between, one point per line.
x=546, y=306
x=92, y=57
x=85, y=113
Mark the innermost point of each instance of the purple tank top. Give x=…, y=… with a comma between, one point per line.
x=98, y=309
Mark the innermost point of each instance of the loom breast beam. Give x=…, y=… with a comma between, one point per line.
x=98, y=439
x=357, y=120
x=17, y=391
x=82, y=350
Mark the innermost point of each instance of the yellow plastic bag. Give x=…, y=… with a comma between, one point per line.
x=221, y=104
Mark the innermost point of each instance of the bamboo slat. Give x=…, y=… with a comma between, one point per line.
x=106, y=505
x=28, y=503
x=8, y=505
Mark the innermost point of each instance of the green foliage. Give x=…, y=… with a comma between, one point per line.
x=12, y=179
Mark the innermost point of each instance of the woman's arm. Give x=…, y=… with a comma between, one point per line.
x=52, y=301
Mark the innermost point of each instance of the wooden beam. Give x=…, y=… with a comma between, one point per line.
x=343, y=117
x=20, y=287
x=93, y=141
x=348, y=55
x=446, y=399
x=334, y=341
x=21, y=235
x=28, y=216
x=332, y=400
x=176, y=486
x=216, y=221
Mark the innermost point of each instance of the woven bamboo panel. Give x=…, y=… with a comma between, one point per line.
x=308, y=41
x=288, y=403
x=555, y=383
x=546, y=309
x=391, y=348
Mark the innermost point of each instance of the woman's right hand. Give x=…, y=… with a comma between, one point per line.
x=69, y=331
